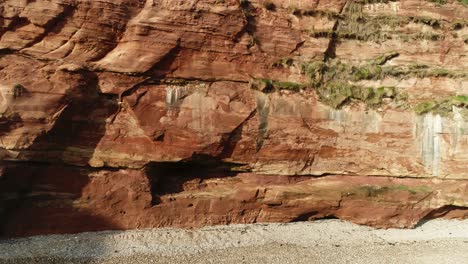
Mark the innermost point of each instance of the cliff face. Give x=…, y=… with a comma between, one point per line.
x=121, y=114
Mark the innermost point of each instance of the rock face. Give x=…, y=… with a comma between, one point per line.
x=130, y=113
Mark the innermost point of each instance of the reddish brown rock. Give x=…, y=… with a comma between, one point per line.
x=106, y=98
x=64, y=199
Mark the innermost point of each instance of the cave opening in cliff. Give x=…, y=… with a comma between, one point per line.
x=313, y=215
x=174, y=177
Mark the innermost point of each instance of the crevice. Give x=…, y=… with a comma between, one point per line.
x=250, y=24
x=330, y=52
x=313, y=215
x=6, y=51
x=160, y=138
x=298, y=46
x=446, y=211
x=17, y=22
x=168, y=178
x=131, y=90
x=244, y=29
x=210, y=80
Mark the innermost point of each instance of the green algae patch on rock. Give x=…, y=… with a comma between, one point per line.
x=384, y=191
x=337, y=94
x=267, y=85
x=335, y=82
x=443, y=106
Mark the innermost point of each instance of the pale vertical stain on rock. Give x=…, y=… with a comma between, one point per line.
x=263, y=111
x=174, y=94
x=430, y=130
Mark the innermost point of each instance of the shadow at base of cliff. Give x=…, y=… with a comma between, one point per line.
x=39, y=196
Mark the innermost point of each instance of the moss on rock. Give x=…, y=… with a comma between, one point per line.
x=267, y=85
x=443, y=106
x=335, y=84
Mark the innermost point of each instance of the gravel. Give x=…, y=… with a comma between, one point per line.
x=327, y=241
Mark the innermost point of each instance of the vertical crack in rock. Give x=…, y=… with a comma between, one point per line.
x=330, y=52
x=250, y=24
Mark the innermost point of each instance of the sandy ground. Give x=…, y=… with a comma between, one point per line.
x=327, y=241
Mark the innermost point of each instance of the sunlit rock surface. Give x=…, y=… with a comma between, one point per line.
x=128, y=114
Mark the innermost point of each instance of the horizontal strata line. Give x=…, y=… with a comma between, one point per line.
x=205, y=80
x=62, y=164
x=360, y=176
x=87, y=68
x=152, y=163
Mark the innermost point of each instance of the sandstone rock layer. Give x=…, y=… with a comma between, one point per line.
x=131, y=113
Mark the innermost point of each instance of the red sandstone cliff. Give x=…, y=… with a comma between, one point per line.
x=130, y=113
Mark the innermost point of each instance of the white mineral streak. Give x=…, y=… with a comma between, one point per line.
x=458, y=130
x=357, y=122
x=7, y=96
x=393, y=6
x=337, y=115
x=371, y=122
x=431, y=142
x=174, y=94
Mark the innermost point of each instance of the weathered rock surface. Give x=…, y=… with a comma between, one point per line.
x=131, y=113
